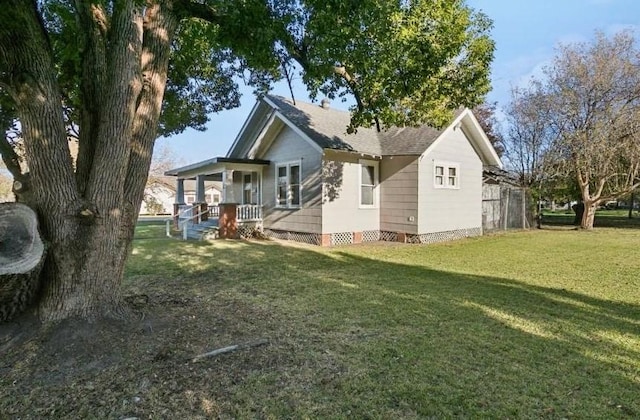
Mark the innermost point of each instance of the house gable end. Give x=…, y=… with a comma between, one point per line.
x=261, y=128
x=251, y=129
x=476, y=136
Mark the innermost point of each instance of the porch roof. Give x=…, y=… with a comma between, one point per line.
x=216, y=164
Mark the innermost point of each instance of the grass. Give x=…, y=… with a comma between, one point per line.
x=537, y=324
x=604, y=218
x=526, y=324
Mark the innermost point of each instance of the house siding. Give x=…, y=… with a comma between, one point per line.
x=399, y=194
x=443, y=209
x=341, y=210
x=288, y=146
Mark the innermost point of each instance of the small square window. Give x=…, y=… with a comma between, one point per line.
x=445, y=175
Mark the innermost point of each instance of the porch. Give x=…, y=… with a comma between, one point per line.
x=240, y=184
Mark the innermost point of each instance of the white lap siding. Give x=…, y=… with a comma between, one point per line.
x=449, y=209
x=341, y=210
x=287, y=147
x=399, y=194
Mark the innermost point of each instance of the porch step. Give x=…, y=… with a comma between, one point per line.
x=203, y=231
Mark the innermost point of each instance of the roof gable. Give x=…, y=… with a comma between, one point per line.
x=325, y=128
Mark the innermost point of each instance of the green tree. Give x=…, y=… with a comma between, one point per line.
x=117, y=73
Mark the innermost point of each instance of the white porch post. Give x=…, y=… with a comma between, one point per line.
x=179, y=201
x=200, y=189
x=259, y=186
x=228, y=195
x=179, y=191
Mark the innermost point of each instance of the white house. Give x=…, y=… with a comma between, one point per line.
x=306, y=179
x=160, y=194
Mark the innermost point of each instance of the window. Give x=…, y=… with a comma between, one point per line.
x=439, y=176
x=453, y=177
x=247, y=189
x=216, y=198
x=446, y=175
x=368, y=183
x=288, y=185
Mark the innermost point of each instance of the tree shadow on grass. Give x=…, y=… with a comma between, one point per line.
x=528, y=346
x=352, y=336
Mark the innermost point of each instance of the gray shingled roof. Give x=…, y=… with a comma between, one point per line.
x=328, y=128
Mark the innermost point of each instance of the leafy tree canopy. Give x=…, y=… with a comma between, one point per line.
x=406, y=63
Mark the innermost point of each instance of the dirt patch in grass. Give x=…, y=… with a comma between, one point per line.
x=144, y=368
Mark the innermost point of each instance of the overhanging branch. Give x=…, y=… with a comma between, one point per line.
x=186, y=9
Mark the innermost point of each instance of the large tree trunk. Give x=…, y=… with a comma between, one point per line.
x=83, y=271
x=589, y=215
x=88, y=217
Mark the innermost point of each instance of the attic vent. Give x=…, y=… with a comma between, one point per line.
x=325, y=103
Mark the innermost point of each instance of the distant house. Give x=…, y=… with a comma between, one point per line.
x=160, y=194
x=308, y=180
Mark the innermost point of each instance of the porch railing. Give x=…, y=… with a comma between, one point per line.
x=214, y=211
x=249, y=212
x=244, y=213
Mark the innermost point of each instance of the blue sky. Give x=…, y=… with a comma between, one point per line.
x=526, y=33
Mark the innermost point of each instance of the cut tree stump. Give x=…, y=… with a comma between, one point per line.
x=22, y=255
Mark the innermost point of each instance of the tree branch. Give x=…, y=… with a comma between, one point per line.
x=160, y=24
x=186, y=8
x=230, y=349
x=26, y=54
x=93, y=21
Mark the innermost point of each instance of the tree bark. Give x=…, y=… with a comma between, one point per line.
x=88, y=216
x=588, y=217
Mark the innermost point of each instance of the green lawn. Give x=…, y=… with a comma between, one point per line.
x=538, y=324
x=604, y=218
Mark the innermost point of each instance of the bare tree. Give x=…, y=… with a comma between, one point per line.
x=590, y=100
x=163, y=159
x=527, y=136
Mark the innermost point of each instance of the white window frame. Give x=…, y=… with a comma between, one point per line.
x=376, y=183
x=288, y=165
x=446, y=166
x=244, y=187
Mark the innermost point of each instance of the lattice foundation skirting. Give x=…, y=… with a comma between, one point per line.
x=346, y=238
x=430, y=238
x=249, y=230
x=307, y=238
x=342, y=238
x=388, y=236
x=370, y=235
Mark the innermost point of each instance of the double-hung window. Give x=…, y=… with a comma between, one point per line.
x=288, y=184
x=368, y=183
x=446, y=175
